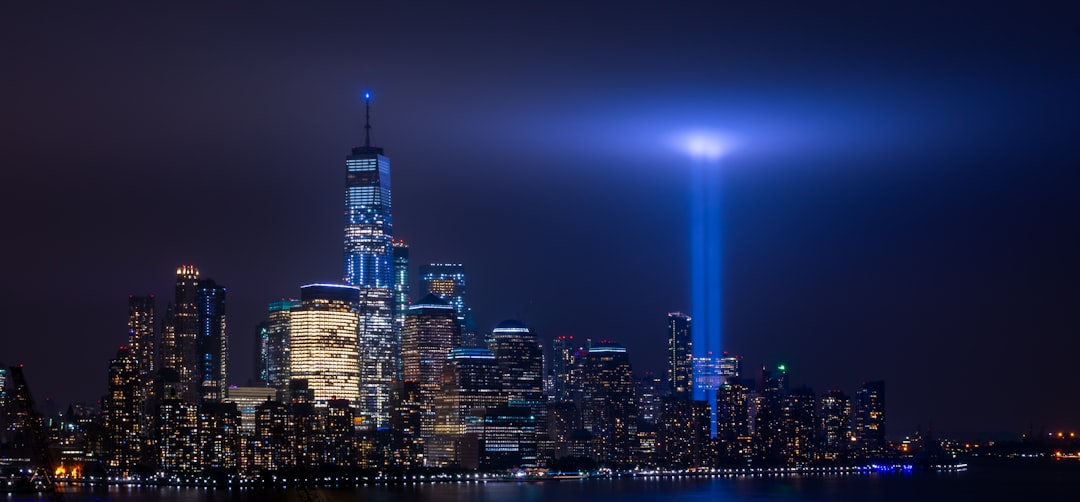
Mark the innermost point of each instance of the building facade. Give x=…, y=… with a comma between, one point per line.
x=213, y=346
x=323, y=342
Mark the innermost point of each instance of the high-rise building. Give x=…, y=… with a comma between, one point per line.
x=247, y=399
x=141, y=340
x=471, y=379
x=213, y=347
x=733, y=424
x=369, y=232
x=800, y=426
x=121, y=410
x=378, y=349
x=401, y=294
x=370, y=265
x=272, y=345
x=562, y=365
x=219, y=435
x=447, y=281
x=680, y=372
x=273, y=426
x=431, y=330
x=401, y=281
x=180, y=334
x=683, y=432
x=521, y=361
x=870, y=418
x=405, y=418
x=609, y=410
x=835, y=428
x=323, y=342
x=769, y=429
x=649, y=398
x=178, y=436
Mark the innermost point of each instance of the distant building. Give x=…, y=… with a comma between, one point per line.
x=733, y=423
x=683, y=432
x=499, y=438
x=471, y=379
x=179, y=446
x=521, y=361
x=562, y=364
x=180, y=334
x=447, y=281
x=430, y=332
x=769, y=440
x=649, y=398
x=323, y=342
x=870, y=418
x=609, y=409
x=247, y=400
x=219, y=436
x=378, y=349
x=272, y=448
x=213, y=346
x=401, y=295
x=122, y=413
x=835, y=428
x=142, y=339
x=272, y=345
x=680, y=372
x=800, y=426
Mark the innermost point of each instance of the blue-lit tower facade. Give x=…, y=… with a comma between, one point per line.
x=369, y=250
x=369, y=265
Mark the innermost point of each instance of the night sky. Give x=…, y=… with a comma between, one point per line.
x=900, y=204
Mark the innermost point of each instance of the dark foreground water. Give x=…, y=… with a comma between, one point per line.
x=982, y=483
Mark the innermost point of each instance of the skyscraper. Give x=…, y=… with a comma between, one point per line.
x=521, y=361
x=368, y=224
x=430, y=331
x=609, y=410
x=272, y=345
x=447, y=281
x=378, y=349
x=401, y=294
x=141, y=340
x=471, y=379
x=213, y=347
x=369, y=265
x=323, y=342
x=835, y=428
x=680, y=372
x=121, y=409
x=870, y=418
x=562, y=363
x=180, y=335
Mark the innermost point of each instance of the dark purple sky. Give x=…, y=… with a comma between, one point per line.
x=902, y=204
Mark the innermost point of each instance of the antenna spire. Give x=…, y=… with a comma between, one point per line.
x=367, y=119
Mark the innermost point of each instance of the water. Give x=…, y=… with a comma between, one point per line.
x=981, y=483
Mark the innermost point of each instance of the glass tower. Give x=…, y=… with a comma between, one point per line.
x=369, y=265
x=680, y=371
x=213, y=345
x=369, y=251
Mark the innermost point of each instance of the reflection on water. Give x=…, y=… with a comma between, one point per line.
x=981, y=482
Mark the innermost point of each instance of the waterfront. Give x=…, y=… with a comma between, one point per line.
x=985, y=481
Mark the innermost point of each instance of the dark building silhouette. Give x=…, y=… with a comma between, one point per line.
x=213, y=340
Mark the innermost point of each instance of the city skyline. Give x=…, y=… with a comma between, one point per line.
x=876, y=225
